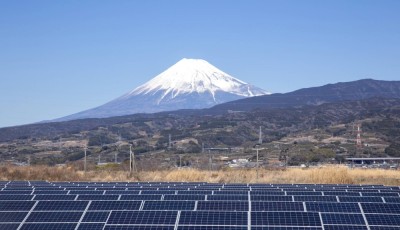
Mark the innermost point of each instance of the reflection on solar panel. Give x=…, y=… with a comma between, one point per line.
x=196, y=206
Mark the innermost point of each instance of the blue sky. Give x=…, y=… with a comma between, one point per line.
x=62, y=57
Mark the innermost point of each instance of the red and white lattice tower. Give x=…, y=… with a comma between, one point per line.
x=358, y=142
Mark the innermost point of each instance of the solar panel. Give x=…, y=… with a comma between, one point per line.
x=185, y=197
x=141, y=197
x=149, y=192
x=61, y=206
x=227, y=197
x=395, y=194
x=212, y=218
x=392, y=199
x=169, y=205
x=272, y=198
x=341, y=193
x=267, y=193
x=345, y=227
x=316, y=198
x=285, y=218
x=121, y=192
x=12, y=216
x=195, y=192
x=48, y=226
x=115, y=205
x=98, y=197
x=303, y=193
x=284, y=228
x=132, y=227
x=383, y=228
x=50, y=192
x=91, y=226
x=16, y=205
x=54, y=217
x=342, y=218
x=143, y=217
x=55, y=197
x=277, y=206
x=383, y=219
x=211, y=228
x=223, y=205
x=85, y=192
x=333, y=207
x=365, y=199
x=9, y=226
x=381, y=208
x=96, y=217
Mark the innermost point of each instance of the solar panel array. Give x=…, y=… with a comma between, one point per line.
x=36, y=205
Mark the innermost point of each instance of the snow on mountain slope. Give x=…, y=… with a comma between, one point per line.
x=189, y=84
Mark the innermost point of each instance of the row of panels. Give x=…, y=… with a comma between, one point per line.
x=363, y=199
x=172, y=218
x=199, y=205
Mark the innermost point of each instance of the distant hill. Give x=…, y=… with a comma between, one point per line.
x=343, y=91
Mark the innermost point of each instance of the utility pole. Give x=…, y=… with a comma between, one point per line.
x=180, y=161
x=260, y=137
x=84, y=164
x=131, y=160
x=169, y=141
x=257, y=149
x=116, y=157
x=210, y=160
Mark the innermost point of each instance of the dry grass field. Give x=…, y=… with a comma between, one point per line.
x=325, y=175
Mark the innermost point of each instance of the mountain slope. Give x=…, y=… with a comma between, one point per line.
x=189, y=84
x=343, y=91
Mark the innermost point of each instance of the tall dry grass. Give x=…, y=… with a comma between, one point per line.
x=328, y=175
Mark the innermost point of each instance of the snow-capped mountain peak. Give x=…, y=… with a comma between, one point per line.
x=189, y=84
x=194, y=76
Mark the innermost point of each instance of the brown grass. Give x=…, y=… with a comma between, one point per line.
x=328, y=175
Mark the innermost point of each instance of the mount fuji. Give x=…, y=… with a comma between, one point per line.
x=189, y=84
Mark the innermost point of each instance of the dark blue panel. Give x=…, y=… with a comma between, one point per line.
x=316, y=198
x=184, y=197
x=303, y=193
x=272, y=198
x=267, y=193
x=277, y=206
x=227, y=197
x=212, y=218
x=115, y=205
x=16, y=205
x=333, y=207
x=343, y=218
x=196, y=192
x=52, y=192
x=124, y=192
x=150, y=192
x=54, y=217
x=380, y=219
x=366, y=199
x=381, y=208
x=96, y=217
x=211, y=228
x=143, y=217
x=285, y=218
x=392, y=199
x=98, y=197
x=132, y=227
x=16, y=197
x=61, y=205
x=395, y=194
x=9, y=226
x=52, y=226
x=83, y=192
x=91, y=226
x=384, y=228
x=345, y=227
x=223, y=205
x=12, y=216
x=285, y=228
x=55, y=197
x=343, y=193
x=141, y=197
x=169, y=205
